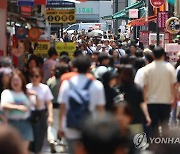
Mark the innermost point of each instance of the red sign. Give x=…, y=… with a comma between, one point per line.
x=162, y=18
x=40, y=2
x=144, y=38
x=157, y=3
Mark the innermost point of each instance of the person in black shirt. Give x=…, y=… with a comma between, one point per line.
x=133, y=95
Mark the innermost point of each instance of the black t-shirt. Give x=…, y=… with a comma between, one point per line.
x=134, y=97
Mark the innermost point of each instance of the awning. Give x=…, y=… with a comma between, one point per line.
x=125, y=13
x=107, y=17
x=142, y=21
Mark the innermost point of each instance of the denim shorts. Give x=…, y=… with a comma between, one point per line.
x=24, y=127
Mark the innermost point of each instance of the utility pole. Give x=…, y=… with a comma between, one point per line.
x=115, y=11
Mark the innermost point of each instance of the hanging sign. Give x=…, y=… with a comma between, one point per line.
x=61, y=16
x=162, y=18
x=172, y=24
x=133, y=13
x=157, y=3
x=34, y=34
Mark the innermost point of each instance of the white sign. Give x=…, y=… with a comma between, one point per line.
x=153, y=39
x=133, y=13
x=172, y=49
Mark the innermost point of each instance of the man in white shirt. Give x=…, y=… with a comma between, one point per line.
x=96, y=101
x=159, y=91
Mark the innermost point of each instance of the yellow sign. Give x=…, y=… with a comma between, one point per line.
x=61, y=16
x=69, y=47
x=42, y=49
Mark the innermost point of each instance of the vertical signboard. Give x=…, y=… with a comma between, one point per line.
x=162, y=18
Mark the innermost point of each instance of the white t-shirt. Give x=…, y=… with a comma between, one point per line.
x=43, y=92
x=97, y=97
x=12, y=97
x=159, y=77
x=139, y=78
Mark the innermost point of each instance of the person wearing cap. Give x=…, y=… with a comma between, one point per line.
x=49, y=64
x=103, y=49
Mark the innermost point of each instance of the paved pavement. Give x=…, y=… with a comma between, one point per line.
x=60, y=149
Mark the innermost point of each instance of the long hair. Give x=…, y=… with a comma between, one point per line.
x=19, y=73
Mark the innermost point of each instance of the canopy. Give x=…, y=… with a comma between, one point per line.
x=124, y=13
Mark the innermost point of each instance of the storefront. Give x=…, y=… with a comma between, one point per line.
x=92, y=11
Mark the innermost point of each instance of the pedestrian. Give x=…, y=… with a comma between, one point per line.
x=101, y=134
x=109, y=80
x=11, y=141
x=159, y=90
x=133, y=95
x=45, y=98
x=78, y=96
x=48, y=64
x=17, y=107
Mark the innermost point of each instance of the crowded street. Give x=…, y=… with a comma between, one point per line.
x=89, y=76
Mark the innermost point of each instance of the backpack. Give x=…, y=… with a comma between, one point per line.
x=79, y=101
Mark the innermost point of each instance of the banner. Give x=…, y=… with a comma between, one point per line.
x=42, y=49
x=61, y=16
x=69, y=47
x=144, y=38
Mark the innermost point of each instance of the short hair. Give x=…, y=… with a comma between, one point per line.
x=10, y=141
x=158, y=52
x=52, y=52
x=151, y=47
x=60, y=70
x=128, y=74
x=149, y=57
x=82, y=63
x=101, y=134
x=139, y=63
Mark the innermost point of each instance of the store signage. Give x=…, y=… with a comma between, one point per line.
x=133, y=13
x=157, y=3
x=61, y=16
x=25, y=2
x=172, y=24
x=162, y=18
x=153, y=39
x=26, y=10
x=42, y=48
x=144, y=38
x=34, y=34
x=84, y=10
x=59, y=4
x=172, y=49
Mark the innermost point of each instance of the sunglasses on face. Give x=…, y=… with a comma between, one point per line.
x=35, y=76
